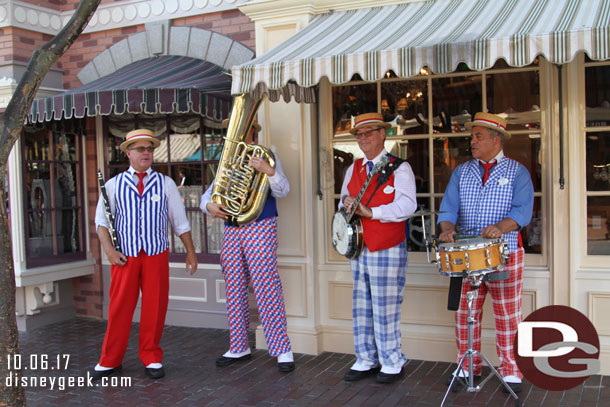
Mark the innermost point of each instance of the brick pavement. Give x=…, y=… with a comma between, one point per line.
x=193, y=379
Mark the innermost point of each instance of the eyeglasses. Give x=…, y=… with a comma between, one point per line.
x=142, y=149
x=367, y=133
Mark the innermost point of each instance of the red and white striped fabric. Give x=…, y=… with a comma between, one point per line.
x=506, y=301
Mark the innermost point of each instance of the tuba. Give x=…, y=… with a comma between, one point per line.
x=238, y=187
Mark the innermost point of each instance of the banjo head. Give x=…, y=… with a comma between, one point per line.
x=340, y=233
x=347, y=236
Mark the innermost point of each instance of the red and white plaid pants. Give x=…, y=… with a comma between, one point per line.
x=506, y=301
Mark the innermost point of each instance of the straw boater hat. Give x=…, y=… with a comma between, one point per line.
x=368, y=118
x=137, y=135
x=491, y=121
x=257, y=127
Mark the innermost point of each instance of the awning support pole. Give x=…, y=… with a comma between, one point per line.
x=560, y=86
x=317, y=124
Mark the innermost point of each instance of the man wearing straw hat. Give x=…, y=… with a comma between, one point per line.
x=379, y=271
x=492, y=196
x=142, y=202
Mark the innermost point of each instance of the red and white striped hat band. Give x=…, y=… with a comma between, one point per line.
x=495, y=124
x=368, y=118
x=137, y=135
x=490, y=121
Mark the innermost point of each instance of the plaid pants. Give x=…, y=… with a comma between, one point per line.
x=250, y=252
x=379, y=281
x=506, y=301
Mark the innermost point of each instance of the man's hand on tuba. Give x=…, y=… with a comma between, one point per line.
x=261, y=165
x=217, y=210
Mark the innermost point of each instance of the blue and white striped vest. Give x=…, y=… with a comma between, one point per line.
x=483, y=205
x=141, y=221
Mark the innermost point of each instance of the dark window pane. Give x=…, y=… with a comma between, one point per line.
x=66, y=189
x=351, y=101
x=65, y=147
x=597, y=83
x=526, y=149
x=416, y=153
x=405, y=105
x=115, y=155
x=532, y=235
x=442, y=163
x=415, y=229
x=68, y=231
x=37, y=181
x=457, y=150
x=40, y=241
x=36, y=143
x=455, y=101
x=516, y=96
x=342, y=161
x=598, y=161
x=598, y=225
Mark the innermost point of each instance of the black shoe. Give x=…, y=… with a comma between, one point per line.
x=477, y=377
x=388, y=377
x=354, y=375
x=285, y=367
x=516, y=387
x=98, y=374
x=154, y=373
x=225, y=361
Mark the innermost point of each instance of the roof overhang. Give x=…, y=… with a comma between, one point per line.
x=164, y=84
x=437, y=34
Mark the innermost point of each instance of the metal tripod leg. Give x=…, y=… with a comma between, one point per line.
x=470, y=354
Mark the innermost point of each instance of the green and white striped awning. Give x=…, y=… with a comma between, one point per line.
x=438, y=34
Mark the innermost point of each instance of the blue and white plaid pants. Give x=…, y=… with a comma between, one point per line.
x=379, y=281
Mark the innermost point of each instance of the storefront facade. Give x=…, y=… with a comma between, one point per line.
x=557, y=111
x=159, y=65
x=555, y=98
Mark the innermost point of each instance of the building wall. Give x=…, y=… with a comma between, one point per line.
x=321, y=306
x=88, y=291
x=35, y=23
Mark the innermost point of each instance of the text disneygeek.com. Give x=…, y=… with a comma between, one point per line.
x=63, y=382
x=44, y=363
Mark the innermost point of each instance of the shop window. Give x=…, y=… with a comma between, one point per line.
x=435, y=141
x=597, y=133
x=53, y=193
x=189, y=152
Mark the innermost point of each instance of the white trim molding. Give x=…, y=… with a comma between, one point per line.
x=108, y=16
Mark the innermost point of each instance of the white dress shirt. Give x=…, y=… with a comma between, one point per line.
x=175, y=206
x=404, y=203
x=278, y=184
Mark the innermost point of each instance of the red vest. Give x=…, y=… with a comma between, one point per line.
x=377, y=235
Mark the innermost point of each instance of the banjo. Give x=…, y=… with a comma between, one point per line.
x=347, y=227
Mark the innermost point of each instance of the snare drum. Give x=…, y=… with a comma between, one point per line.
x=472, y=256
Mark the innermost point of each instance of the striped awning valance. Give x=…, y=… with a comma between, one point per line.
x=438, y=34
x=164, y=84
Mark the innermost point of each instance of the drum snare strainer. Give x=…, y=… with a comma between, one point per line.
x=471, y=256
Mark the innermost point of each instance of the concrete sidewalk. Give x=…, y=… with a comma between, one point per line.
x=193, y=379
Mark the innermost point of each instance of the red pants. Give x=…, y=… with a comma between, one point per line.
x=506, y=301
x=151, y=274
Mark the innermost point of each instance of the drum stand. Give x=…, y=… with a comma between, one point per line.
x=471, y=353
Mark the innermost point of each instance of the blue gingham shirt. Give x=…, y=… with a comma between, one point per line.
x=521, y=204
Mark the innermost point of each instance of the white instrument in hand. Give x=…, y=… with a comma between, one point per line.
x=347, y=227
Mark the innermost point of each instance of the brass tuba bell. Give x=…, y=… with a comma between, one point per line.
x=238, y=187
